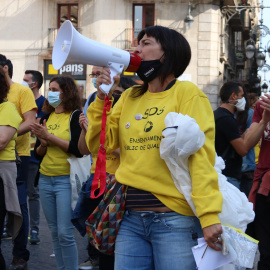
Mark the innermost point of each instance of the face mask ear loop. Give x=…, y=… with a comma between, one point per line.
x=162, y=56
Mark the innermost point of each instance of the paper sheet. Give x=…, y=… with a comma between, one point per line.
x=212, y=259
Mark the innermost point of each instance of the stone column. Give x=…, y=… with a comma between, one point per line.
x=208, y=49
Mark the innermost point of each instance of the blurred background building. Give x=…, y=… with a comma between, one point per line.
x=219, y=33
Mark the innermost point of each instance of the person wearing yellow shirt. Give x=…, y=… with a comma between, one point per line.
x=57, y=139
x=86, y=205
x=159, y=228
x=22, y=97
x=10, y=121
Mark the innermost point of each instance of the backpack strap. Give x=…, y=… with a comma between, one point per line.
x=70, y=119
x=92, y=98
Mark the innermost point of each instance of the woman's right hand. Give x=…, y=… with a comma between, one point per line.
x=40, y=130
x=105, y=78
x=212, y=236
x=83, y=121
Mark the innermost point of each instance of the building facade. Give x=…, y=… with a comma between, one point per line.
x=29, y=27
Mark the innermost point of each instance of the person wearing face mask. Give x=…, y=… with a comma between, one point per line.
x=34, y=80
x=57, y=139
x=85, y=206
x=244, y=119
x=159, y=227
x=230, y=144
x=95, y=73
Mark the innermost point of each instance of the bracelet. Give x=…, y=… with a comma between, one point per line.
x=43, y=146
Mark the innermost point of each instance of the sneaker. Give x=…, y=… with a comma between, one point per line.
x=89, y=264
x=5, y=235
x=18, y=264
x=34, y=239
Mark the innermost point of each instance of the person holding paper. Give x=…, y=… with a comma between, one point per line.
x=159, y=228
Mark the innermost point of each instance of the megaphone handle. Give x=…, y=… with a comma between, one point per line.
x=115, y=69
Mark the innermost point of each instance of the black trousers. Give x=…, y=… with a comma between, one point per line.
x=262, y=230
x=106, y=262
x=2, y=219
x=246, y=182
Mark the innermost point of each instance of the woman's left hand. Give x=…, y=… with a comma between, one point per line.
x=40, y=130
x=212, y=236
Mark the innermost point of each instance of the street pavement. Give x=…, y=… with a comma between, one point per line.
x=40, y=255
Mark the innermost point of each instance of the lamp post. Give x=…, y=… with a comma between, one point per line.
x=265, y=87
x=260, y=30
x=260, y=58
x=265, y=68
x=189, y=18
x=250, y=48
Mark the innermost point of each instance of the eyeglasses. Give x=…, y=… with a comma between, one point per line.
x=94, y=75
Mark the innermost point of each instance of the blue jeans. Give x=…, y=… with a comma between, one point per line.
x=234, y=181
x=20, y=242
x=55, y=195
x=160, y=241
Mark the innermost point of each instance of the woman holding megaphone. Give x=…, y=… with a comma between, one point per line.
x=159, y=228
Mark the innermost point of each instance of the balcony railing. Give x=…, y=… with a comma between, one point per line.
x=52, y=33
x=126, y=40
x=236, y=57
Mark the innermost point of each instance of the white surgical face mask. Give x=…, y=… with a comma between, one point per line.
x=94, y=82
x=25, y=83
x=240, y=105
x=28, y=85
x=54, y=98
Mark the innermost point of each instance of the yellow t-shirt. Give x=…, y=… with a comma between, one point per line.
x=55, y=162
x=257, y=152
x=112, y=163
x=141, y=165
x=23, y=98
x=9, y=116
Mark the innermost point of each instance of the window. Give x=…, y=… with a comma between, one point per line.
x=68, y=12
x=143, y=16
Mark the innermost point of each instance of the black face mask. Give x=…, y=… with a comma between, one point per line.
x=148, y=70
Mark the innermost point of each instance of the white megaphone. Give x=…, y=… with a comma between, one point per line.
x=72, y=47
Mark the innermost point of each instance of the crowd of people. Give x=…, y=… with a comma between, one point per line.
x=159, y=228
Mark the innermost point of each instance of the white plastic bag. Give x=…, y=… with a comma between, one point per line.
x=182, y=138
x=241, y=248
x=79, y=172
x=237, y=211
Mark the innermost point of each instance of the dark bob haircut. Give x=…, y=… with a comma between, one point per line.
x=71, y=96
x=177, y=52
